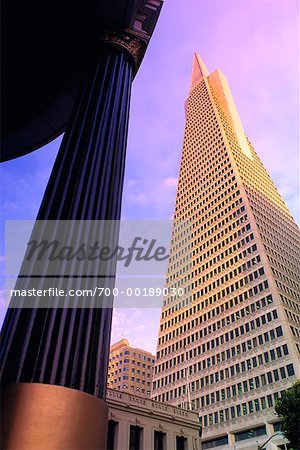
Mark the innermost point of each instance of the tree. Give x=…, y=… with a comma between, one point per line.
x=288, y=409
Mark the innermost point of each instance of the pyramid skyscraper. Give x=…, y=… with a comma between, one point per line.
x=232, y=343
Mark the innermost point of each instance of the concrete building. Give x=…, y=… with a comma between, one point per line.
x=130, y=369
x=137, y=423
x=229, y=342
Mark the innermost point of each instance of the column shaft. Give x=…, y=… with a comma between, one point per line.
x=70, y=347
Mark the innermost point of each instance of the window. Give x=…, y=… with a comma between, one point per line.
x=215, y=443
x=135, y=438
x=270, y=400
x=277, y=427
x=112, y=434
x=290, y=370
x=159, y=440
x=248, y=434
x=285, y=349
x=276, y=374
x=282, y=372
x=181, y=443
x=279, y=331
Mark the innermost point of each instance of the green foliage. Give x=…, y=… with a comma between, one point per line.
x=288, y=409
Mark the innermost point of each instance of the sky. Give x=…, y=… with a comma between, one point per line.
x=255, y=43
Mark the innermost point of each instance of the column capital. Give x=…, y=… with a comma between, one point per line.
x=132, y=27
x=132, y=42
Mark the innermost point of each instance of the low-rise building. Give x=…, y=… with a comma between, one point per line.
x=130, y=369
x=137, y=423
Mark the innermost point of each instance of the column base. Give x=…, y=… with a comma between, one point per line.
x=42, y=416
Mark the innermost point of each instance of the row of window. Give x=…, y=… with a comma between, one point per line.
x=128, y=369
x=230, y=238
x=228, y=372
x=213, y=199
x=136, y=438
x=134, y=354
x=294, y=317
x=125, y=387
x=196, y=295
x=198, y=228
x=239, y=436
x=229, y=275
x=238, y=349
x=220, y=375
x=194, y=173
x=246, y=386
x=192, y=198
x=212, y=213
x=221, y=357
x=215, y=312
x=227, y=264
x=272, y=217
x=234, y=286
x=278, y=212
x=218, y=269
x=230, y=352
x=207, y=302
x=227, y=337
x=206, y=256
x=275, y=225
x=288, y=267
x=287, y=290
x=137, y=380
x=194, y=161
x=284, y=263
x=282, y=255
x=242, y=409
x=240, y=314
x=221, y=219
x=231, y=219
x=198, y=183
x=286, y=279
x=295, y=331
x=212, y=210
x=127, y=361
x=278, y=250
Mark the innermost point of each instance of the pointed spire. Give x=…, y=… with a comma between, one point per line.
x=199, y=71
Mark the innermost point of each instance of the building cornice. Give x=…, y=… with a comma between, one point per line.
x=151, y=408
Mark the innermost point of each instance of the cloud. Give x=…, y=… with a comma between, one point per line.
x=154, y=196
x=24, y=181
x=133, y=194
x=171, y=182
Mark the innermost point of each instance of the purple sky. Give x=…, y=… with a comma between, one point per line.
x=255, y=44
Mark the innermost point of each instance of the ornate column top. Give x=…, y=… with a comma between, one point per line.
x=133, y=28
x=132, y=42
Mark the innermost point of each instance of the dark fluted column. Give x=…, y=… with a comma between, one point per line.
x=69, y=346
x=50, y=354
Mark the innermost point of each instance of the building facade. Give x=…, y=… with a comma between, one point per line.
x=130, y=369
x=231, y=343
x=137, y=423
